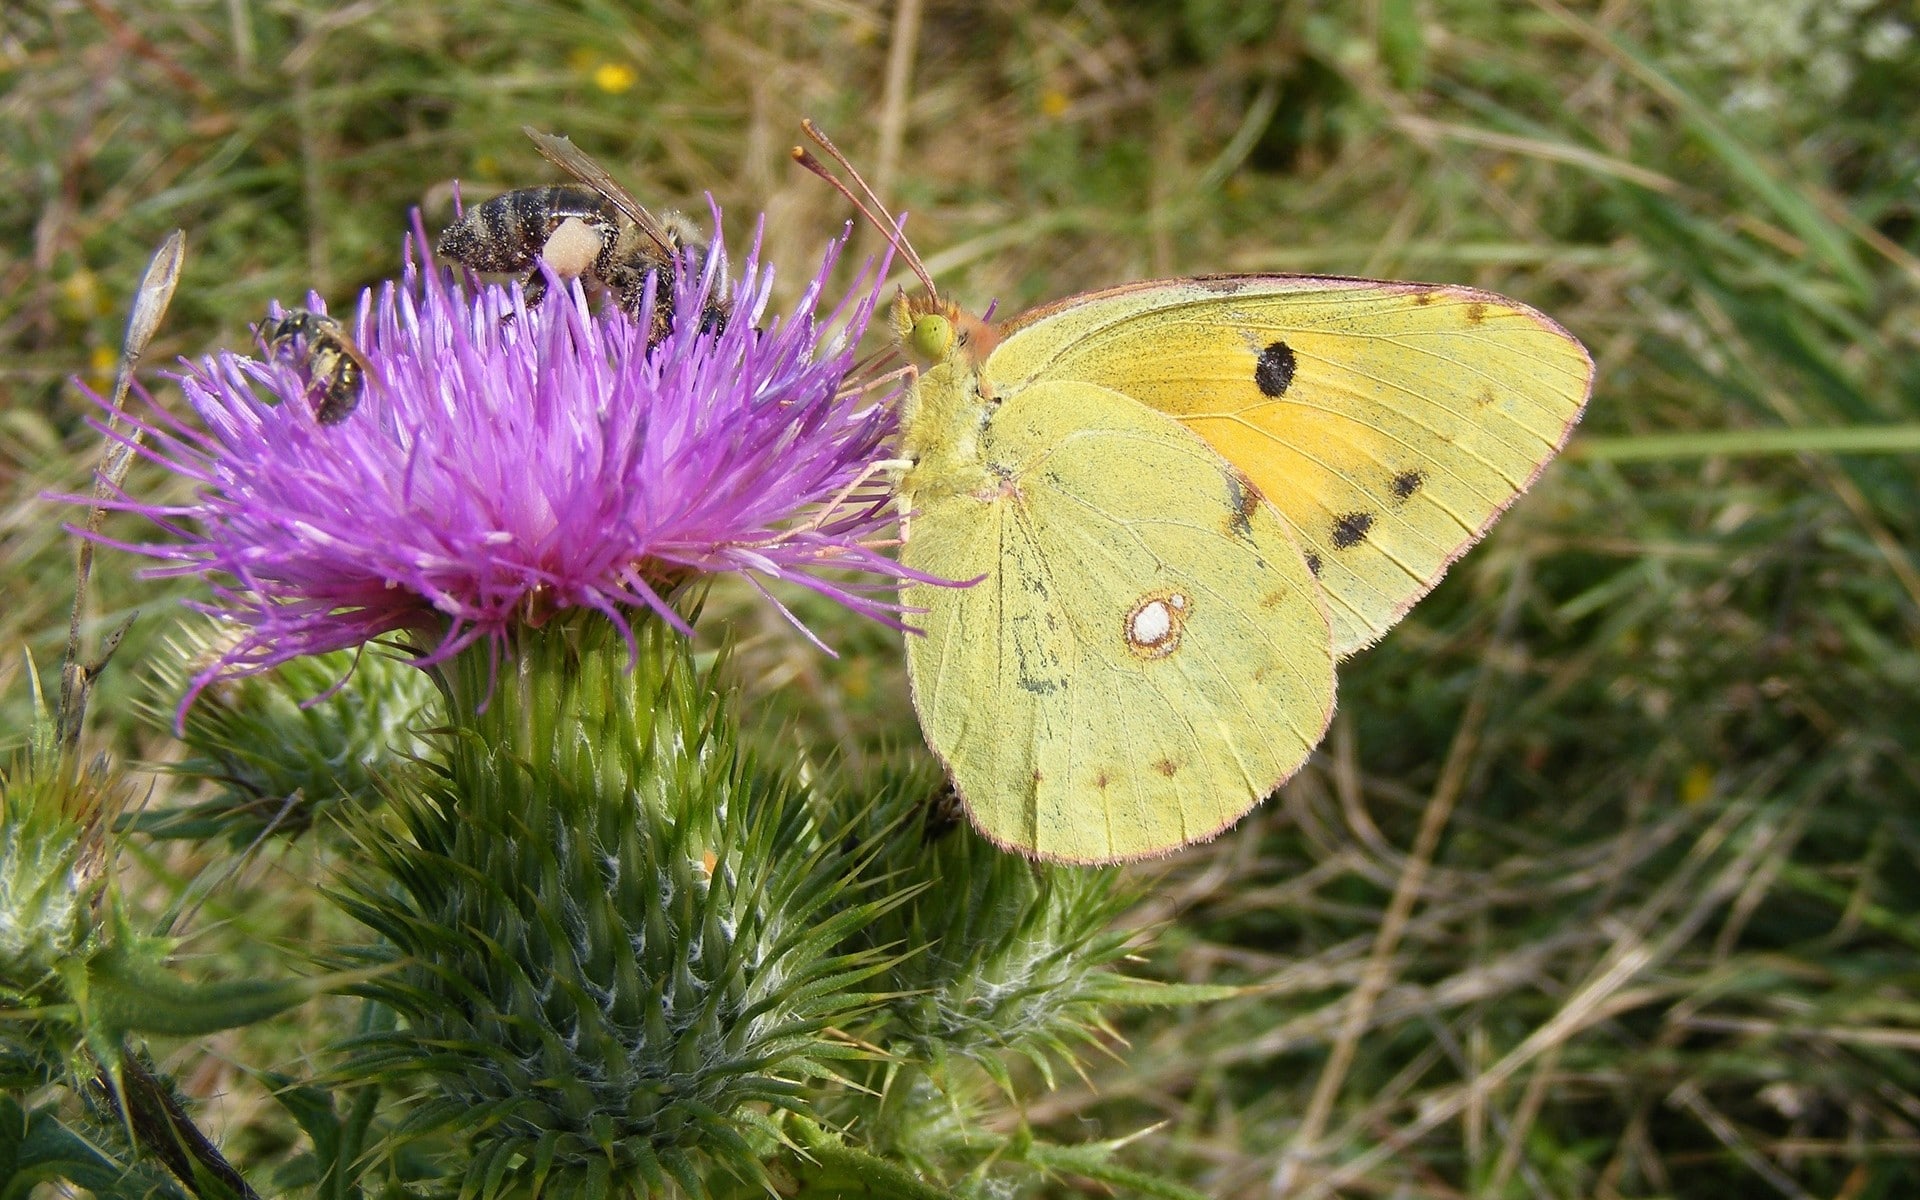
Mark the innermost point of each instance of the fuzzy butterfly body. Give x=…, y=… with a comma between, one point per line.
x=1183, y=502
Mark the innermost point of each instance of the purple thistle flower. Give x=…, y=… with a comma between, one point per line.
x=498, y=471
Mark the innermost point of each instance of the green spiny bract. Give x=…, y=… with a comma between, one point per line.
x=49, y=889
x=75, y=976
x=993, y=959
x=997, y=953
x=619, y=947
x=44, y=1145
x=279, y=755
x=45, y=893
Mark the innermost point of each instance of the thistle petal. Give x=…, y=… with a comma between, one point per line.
x=504, y=464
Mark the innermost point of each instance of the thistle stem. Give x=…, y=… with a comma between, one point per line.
x=162, y=1126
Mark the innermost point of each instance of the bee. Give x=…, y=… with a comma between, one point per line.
x=336, y=371
x=599, y=230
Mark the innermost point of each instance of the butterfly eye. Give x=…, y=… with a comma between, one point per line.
x=931, y=336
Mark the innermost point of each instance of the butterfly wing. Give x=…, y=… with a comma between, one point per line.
x=1388, y=423
x=1144, y=656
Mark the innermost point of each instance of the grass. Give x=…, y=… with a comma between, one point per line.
x=1602, y=884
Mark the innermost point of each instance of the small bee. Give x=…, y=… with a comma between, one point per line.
x=598, y=230
x=336, y=371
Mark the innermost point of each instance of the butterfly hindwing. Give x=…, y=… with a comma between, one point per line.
x=1145, y=655
x=1388, y=423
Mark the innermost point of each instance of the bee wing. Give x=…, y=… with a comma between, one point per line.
x=562, y=153
x=318, y=327
x=352, y=350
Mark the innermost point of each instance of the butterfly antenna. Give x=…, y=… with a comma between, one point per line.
x=872, y=209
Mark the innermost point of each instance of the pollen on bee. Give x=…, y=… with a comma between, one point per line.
x=572, y=247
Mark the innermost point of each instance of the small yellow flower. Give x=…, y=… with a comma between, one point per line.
x=1697, y=784
x=1053, y=103
x=81, y=296
x=101, y=361
x=856, y=681
x=614, y=78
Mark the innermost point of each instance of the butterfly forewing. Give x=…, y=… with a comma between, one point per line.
x=1387, y=423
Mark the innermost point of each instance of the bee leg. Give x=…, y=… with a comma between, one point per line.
x=663, y=305
x=534, y=288
x=629, y=286
x=630, y=296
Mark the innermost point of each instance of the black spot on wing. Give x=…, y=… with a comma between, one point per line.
x=1350, y=529
x=1313, y=563
x=1274, y=372
x=1406, y=483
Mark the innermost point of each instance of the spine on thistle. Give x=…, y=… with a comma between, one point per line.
x=617, y=945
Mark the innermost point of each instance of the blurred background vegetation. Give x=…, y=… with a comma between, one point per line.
x=1604, y=883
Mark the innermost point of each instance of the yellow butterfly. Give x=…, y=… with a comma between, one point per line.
x=1183, y=502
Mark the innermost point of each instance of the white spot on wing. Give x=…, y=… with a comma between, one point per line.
x=1152, y=628
x=1151, y=624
